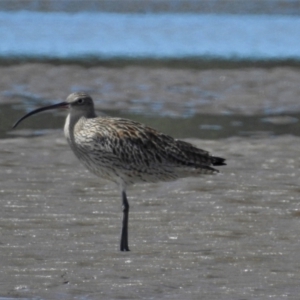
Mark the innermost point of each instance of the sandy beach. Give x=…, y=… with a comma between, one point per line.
x=230, y=236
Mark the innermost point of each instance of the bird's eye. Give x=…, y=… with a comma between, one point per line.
x=80, y=101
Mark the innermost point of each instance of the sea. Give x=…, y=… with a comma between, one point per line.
x=60, y=30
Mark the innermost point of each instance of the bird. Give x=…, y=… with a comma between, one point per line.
x=127, y=152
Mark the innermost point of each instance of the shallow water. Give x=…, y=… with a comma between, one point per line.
x=188, y=125
x=230, y=236
x=206, y=104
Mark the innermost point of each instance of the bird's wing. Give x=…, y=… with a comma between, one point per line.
x=136, y=144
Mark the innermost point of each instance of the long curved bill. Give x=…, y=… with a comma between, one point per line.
x=61, y=104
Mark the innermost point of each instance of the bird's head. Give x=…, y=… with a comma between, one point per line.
x=80, y=104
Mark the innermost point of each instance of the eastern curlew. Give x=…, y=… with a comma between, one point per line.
x=127, y=152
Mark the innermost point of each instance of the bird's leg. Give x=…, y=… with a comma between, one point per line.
x=124, y=233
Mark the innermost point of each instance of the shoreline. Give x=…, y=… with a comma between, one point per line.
x=193, y=63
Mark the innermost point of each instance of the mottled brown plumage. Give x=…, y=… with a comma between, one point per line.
x=127, y=152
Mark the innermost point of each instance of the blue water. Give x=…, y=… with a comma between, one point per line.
x=110, y=35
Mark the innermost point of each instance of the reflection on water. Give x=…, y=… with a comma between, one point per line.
x=196, y=126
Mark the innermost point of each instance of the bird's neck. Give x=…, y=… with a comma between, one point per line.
x=70, y=123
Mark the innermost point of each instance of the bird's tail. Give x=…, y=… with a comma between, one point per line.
x=218, y=161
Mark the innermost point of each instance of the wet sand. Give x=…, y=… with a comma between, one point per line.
x=230, y=236
x=172, y=91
